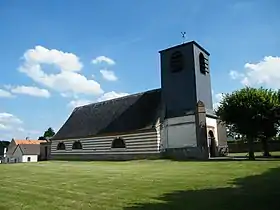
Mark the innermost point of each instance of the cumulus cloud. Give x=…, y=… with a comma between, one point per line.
x=79, y=102
x=31, y=90
x=217, y=99
x=12, y=127
x=8, y=121
x=264, y=72
x=63, y=60
x=103, y=59
x=5, y=94
x=108, y=75
x=111, y=95
x=235, y=75
x=67, y=80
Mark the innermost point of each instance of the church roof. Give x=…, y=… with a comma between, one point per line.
x=129, y=113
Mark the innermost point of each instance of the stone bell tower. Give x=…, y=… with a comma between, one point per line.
x=186, y=87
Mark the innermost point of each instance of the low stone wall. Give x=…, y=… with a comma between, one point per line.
x=237, y=147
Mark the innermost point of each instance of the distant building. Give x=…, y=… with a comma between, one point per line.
x=24, y=151
x=3, y=147
x=176, y=120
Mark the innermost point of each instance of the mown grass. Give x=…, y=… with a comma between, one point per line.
x=141, y=185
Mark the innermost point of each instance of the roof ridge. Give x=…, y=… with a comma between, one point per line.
x=116, y=99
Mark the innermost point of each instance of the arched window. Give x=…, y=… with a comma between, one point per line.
x=60, y=146
x=118, y=143
x=203, y=64
x=77, y=145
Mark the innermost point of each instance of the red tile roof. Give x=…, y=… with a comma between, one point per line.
x=29, y=141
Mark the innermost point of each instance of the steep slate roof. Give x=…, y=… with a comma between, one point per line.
x=30, y=149
x=128, y=113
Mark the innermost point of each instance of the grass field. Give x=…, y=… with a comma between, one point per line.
x=141, y=185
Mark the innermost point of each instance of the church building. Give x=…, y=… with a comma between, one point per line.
x=175, y=121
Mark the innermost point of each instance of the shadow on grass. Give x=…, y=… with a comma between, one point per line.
x=252, y=192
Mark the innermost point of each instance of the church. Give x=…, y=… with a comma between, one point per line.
x=176, y=121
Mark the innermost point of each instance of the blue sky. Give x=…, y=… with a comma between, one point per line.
x=58, y=54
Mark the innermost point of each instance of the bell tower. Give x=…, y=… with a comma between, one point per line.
x=186, y=86
x=185, y=78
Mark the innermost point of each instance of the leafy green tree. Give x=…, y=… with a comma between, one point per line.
x=49, y=133
x=250, y=111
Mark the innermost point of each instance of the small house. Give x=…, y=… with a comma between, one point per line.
x=24, y=151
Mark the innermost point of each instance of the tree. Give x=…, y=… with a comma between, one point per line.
x=249, y=110
x=49, y=133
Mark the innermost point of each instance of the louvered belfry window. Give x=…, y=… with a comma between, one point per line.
x=203, y=64
x=177, y=62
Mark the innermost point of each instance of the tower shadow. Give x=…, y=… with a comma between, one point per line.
x=256, y=192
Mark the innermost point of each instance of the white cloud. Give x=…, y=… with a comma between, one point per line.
x=235, y=75
x=67, y=80
x=65, y=95
x=31, y=90
x=217, y=99
x=265, y=72
x=5, y=94
x=103, y=59
x=111, y=95
x=12, y=127
x=21, y=129
x=79, y=102
x=63, y=60
x=8, y=121
x=108, y=75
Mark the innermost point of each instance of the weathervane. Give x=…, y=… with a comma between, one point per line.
x=184, y=36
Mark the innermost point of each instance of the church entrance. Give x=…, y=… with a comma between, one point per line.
x=212, y=144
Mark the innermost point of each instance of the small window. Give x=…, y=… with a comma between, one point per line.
x=61, y=146
x=77, y=145
x=118, y=143
x=203, y=64
x=28, y=159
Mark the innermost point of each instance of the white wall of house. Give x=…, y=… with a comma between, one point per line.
x=29, y=158
x=213, y=123
x=18, y=157
x=146, y=142
x=179, y=132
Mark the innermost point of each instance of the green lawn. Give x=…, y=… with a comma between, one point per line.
x=141, y=185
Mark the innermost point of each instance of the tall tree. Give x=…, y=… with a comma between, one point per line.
x=49, y=133
x=248, y=110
